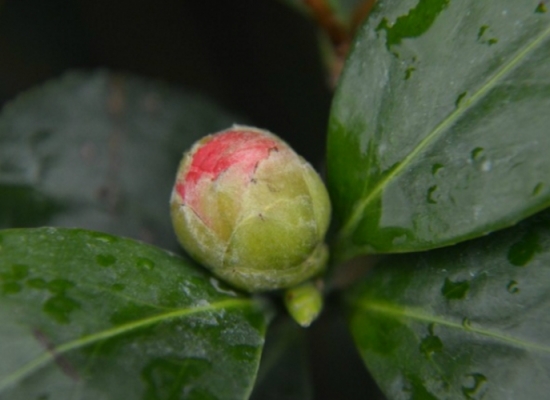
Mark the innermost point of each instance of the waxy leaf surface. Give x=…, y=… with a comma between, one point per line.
x=87, y=315
x=99, y=151
x=467, y=322
x=439, y=128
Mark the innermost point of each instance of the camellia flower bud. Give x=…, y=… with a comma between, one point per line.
x=251, y=210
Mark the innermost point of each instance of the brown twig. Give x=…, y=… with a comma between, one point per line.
x=340, y=35
x=325, y=18
x=360, y=14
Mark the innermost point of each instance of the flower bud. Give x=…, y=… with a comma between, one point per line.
x=251, y=210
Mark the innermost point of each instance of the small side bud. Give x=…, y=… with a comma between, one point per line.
x=304, y=303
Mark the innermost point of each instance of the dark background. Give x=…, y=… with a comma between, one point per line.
x=257, y=58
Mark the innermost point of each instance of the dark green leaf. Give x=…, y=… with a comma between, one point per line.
x=284, y=372
x=439, y=128
x=98, y=151
x=465, y=322
x=91, y=316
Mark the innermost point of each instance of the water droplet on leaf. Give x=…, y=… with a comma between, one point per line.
x=37, y=283
x=523, y=251
x=479, y=380
x=118, y=287
x=477, y=153
x=538, y=189
x=11, y=287
x=431, y=345
x=59, y=307
x=455, y=290
x=436, y=168
x=460, y=98
x=408, y=72
x=145, y=263
x=105, y=260
x=430, y=197
x=481, y=31
x=59, y=285
x=512, y=287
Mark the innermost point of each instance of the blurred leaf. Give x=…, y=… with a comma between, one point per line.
x=338, y=371
x=99, y=151
x=95, y=316
x=343, y=10
x=439, y=128
x=284, y=370
x=468, y=322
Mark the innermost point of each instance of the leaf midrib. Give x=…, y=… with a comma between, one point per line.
x=50, y=355
x=418, y=315
x=465, y=105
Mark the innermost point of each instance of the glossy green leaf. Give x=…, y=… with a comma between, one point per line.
x=467, y=322
x=91, y=316
x=99, y=151
x=439, y=129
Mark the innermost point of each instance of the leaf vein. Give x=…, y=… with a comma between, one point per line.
x=414, y=314
x=360, y=206
x=51, y=354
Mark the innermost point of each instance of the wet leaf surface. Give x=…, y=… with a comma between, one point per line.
x=465, y=322
x=86, y=315
x=439, y=131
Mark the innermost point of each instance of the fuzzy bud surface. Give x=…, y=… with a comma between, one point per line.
x=250, y=209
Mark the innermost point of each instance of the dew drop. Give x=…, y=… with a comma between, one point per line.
x=103, y=237
x=145, y=263
x=521, y=252
x=481, y=31
x=37, y=283
x=430, y=195
x=117, y=287
x=538, y=189
x=60, y=307
x=466, y=323
x=486, y=166
x=11, y=287
x=455, y=290
x=60, y=285
x=477, y=153
x=436, y=168
x=479, y=380
x=459, y=99
x=512, y=287
x=105, y=260
x=19, y=271
x=480, y=161
x=408, y=72
x=431, y=344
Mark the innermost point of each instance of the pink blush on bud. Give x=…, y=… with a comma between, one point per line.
x=236, y=148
